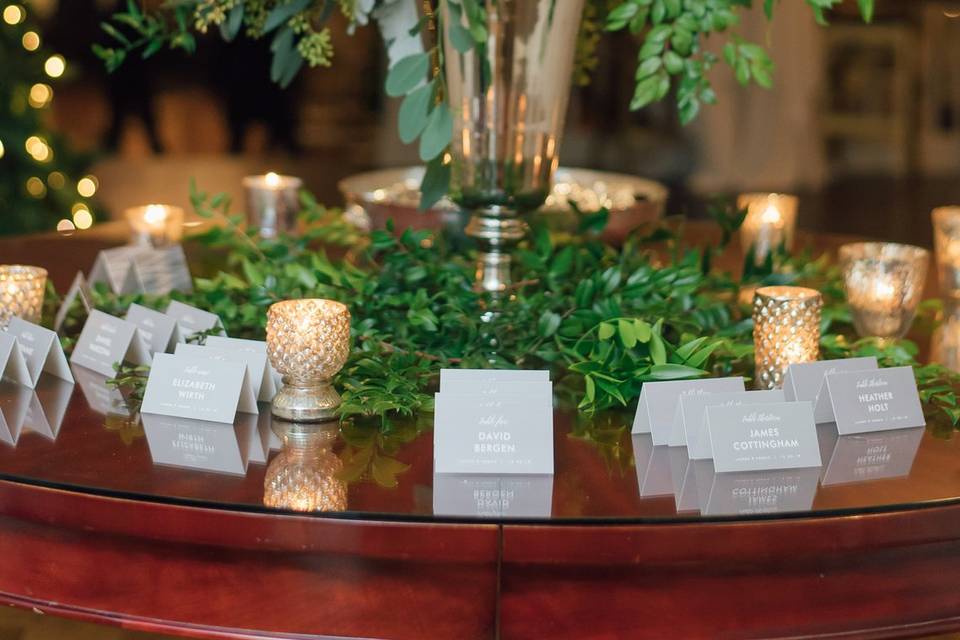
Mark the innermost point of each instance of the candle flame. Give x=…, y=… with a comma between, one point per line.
x=272, y=179
x=771, y=215
x=883, y=290
x=155, y=214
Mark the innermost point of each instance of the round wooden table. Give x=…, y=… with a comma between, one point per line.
x=163, y=526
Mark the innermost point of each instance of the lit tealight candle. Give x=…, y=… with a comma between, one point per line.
x=884, y=284
x=786, y=330
x=272, y=203
x=770, y=222
x=155, y=225
x=21, y=292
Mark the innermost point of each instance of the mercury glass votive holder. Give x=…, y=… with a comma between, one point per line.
x=155, y=225
x=272, y=203
x=21, y=292
x=786, y=330
x=770, y=222
x=884, y=283
x=946, y=243
x=308, y=342
x=303, y=476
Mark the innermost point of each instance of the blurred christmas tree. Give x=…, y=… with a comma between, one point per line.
x=42, y=184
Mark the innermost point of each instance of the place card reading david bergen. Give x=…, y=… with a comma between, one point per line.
x=758, y=437
x=199, y=388
x=875, y=400
x=500, y=434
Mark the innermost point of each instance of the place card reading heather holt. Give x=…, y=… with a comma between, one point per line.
x=106, y=340
x=760, y=437
x=197, y=387
x=804, y=381
x=877, y=400
x=657, y=407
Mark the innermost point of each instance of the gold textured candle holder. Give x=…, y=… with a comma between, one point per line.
x=272, y=203
x=155, y=225
x=884, y=283
x=308, y=342
x=21, y=292
x=303, y=476
x=946, y=242
x=770, y=222
x=786, y=330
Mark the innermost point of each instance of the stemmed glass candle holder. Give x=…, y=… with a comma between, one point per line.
x=272, y=203
x=786, y=330
x=946, y=242
x=770, y=222
x=21, y=292
x=155, y=225
x=308, y=342
x=884, y=283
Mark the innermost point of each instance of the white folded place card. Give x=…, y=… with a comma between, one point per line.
x=652, y=466
x=240, y=358
x=804, y=380
x=873, y=400
x=157, y=329
x=693, y=414
x=758, y=492
x=105, y=341
x=100, y=397
x=492, y=496
x=658, y=402
x=498, y=434
x=489, y=380
x=13, y=366
x=195, y=444
x=872, y=456
x=112, y=267
x=78, y=289
x=160, y=271
x=758, y=437
x=200, y=388
x=191, y=320
x=41, y=350
x=254, y=353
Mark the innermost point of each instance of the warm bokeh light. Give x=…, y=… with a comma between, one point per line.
x=83, y=219
x=87, y=186
x=155, y=214
x=56, y=180
x=14, y=14
x=66, y=227
x=35, y=187
x=40, y=95
x=2, y=151
x=272, y=179
x=31, y=41
x=55, y=66
x=77, y=207
x=38, y=148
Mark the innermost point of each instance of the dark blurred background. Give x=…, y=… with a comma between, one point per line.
x=863, y=123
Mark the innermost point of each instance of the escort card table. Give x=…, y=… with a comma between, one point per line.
x=191, y=528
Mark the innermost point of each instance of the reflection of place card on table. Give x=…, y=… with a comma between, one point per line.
x=804, y=380
x=693, y=415
x=872, y=456
x=499, y=434
x=683, y=481
x=101, y=398
x=14, y=403
x=195, y=444
x=41, y=350
x=106, y=340
x=657, y=407
x=260, y=438
x=757, y=492
x=157, y=329
x=876, y=400
x=191, y=320
x=491, y=496
x=254, y=352
x=652, y=466
x=78, y=288
x=200, y=388
x=758, y=437
x=48, y=406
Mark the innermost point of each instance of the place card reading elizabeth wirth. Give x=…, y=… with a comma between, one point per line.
x=758, y=437
x=199, y=388
x=876, y=400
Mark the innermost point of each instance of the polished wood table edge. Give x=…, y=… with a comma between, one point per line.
x=280, y=531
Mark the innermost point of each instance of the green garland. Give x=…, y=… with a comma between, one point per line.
x=603, y=320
